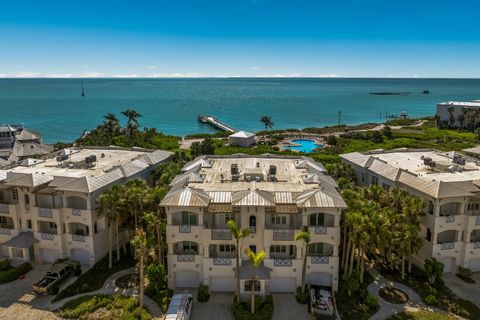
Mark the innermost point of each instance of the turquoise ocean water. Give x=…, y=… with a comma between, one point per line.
x=55, y=108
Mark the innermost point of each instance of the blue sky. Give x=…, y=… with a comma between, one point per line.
x=354, y=38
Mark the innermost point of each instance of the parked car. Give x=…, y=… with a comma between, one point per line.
x=58, y=273
x=180, y=307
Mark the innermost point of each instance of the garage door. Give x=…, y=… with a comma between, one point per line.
x=186, y=279
x=49, y=255
x=82, y=256
x=448, y=264
x=222, y=284
x=5, y=252
x=320, y=279
x=282, y=284
x=474, y=264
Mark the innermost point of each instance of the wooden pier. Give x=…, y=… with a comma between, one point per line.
x=216, y=123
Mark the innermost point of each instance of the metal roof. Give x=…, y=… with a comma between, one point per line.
x=320, y=199
x=253, y=197
x=187, y=197
x=246, y=271
x=23, y=240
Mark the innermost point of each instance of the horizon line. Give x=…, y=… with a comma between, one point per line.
x=239, y=77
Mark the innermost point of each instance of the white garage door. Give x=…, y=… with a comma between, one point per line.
x=282, y=284
x=320, y=279
x=49, y=255
x=82, y=256
x=5, y=252
x=474, y=264
x=186, y=279
x=448, y=264
x=222, y=284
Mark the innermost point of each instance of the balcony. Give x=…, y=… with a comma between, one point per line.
x=4, y=208
x=222, y=261
x=78, y=238
x=282, y=262
x=47, y=236
x=221, y=234
x=6, y=231
x=184, y=228
x=447, y=246
x=185, y=258
x=319, y=259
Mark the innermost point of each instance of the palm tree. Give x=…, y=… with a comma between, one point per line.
x=267, y=122
x=437, y=120
x=451, y=117
x=238, y=235
x=304, y=236
x=132, y=120
x=111, y=123
x=110, y=209
x=255, y=260
x=139, y=242
x=461, y=119
x=156, y=227
x=136, y=194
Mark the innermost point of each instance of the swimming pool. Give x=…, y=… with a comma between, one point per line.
x=304, y=145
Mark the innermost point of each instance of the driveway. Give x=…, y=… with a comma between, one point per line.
x=218, y=307
x=287, y=308
x=463, y=289
x=17, y=302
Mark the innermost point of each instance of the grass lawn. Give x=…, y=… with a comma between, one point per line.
x=95, y=277
x=421, y=315
x=105, y=307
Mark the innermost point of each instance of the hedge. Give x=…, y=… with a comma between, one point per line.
x=5, y=265
x=263, y=309
x=14, y=273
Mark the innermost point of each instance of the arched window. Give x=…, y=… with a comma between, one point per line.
x=253, y=223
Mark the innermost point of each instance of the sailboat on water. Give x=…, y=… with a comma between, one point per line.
x=83, y=91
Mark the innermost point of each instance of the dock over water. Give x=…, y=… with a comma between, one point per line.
x=216, y=123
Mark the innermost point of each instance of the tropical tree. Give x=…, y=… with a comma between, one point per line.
x=110, y=208
x=461, y=119
x=111, y=124
x=255, y=260
x=139, y=242
x=238, y=235
x=156, y=229
x=135, y=194
x=132, y=121
x=267, y=122
x=305, y=237
x=437, y=120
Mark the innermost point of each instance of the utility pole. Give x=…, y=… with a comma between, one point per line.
x=339, y=116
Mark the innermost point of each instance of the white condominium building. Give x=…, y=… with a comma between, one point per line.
x=458, y=114
x=450, y=187
x=47, y=206
x=274, y=196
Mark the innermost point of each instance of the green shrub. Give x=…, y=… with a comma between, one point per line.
x=5, y=265
x=372, y=302
x=162, y=298
x=431, y=300
x=203, y=293
x=156, y=277
x=302, y=296
x=465, y=274
x=115, y=307
x=13, y=273
x=263, y=309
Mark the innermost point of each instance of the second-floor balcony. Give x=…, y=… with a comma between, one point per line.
x=4, y=208
x=320, y=259
x=283, y=235
x=221, y=234
x=222, y=261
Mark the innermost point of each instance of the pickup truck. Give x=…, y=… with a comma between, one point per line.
x=50, y=283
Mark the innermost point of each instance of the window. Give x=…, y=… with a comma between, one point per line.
x=227, y=248
x=189, y=218
x=189, y=246
x=279, y=219
x=430, y=207
x=17, y=253
x=53, y=225
x=29, y=224
x=317, y=219
x=317, y=248
x=429, y=235
x=228, y=217
x=3, y=220
x=363, y=177
x=278, y=249
x=27, y=202
x=374, y=180
x=385, y=186
x=248, y=285
x=15, y=195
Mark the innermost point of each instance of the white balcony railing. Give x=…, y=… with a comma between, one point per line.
x=282, y=262
x=76, y=212
x=185, y=258
x=476, y=245
x=321, y=230
x=449, y=219
x=320, y=259
x=222, y=261
x=45, y=212
x=4, y=208
x=253, y=229
x=447, y=246
x=285, y=235
x=184, y=228
x=47, y=236
x=78, y=237
x=5, y=231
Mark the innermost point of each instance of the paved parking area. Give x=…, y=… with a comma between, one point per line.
x=462, y=289
x=218, y=307
x=17, y=301
x=287, y=308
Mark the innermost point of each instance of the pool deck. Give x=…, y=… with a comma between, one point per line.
x=288, y=142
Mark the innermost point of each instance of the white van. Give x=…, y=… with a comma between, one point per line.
x=180, y=307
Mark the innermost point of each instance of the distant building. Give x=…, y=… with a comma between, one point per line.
x=242, y=139
x=274, y=196
x=48, y=206
x=450, y=186
x=18, y=143
x=457, y=114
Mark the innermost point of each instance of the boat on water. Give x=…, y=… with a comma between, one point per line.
x=390, y=93
x=83, y=91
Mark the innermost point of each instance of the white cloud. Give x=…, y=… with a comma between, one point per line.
x=131, y=75
x=254, y=68
x=177, y=75
x=152, y=67
x=93, y=75
x=26, y=75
